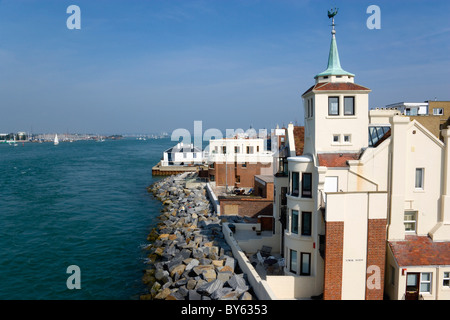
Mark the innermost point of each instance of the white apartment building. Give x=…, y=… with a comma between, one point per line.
x=368, y=203
x=241, y=150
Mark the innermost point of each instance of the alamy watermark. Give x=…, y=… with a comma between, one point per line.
x=74, y=280
x=374, y=21
x=225, y=146
x=74, y=20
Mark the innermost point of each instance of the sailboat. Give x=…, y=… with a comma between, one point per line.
x=56, y=142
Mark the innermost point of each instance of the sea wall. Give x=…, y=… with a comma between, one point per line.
x=188, y=257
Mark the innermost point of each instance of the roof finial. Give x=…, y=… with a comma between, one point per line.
x=331, y=14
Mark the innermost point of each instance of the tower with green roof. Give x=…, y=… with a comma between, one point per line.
x=336, y=109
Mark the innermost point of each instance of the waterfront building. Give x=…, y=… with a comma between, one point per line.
x=182, y=154
x=234, y=162
x=367, y=202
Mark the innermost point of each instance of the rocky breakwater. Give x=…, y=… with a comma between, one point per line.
x=188, y=257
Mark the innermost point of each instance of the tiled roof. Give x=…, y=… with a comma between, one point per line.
x=336, y=160
x=337, y=86
x=420, y=251
x=299, y=140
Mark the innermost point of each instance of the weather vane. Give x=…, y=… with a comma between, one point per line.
x=331, y=14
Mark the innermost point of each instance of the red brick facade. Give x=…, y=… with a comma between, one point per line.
x=334, y=246
x=240, y=175
x=376, y=256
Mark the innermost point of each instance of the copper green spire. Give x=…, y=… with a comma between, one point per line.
x=334, y=64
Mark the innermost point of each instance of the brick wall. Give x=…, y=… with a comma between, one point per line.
x=246, y=173
x=376, y=254
x=334, y=244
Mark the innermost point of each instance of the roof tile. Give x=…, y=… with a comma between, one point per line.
x=420, y=251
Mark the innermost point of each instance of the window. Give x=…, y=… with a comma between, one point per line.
x=347, y=138
x=336, y=138
x=349, y=106
x=306, y=223
x=294, y=221
x=438, y=111
x=419, y=178
x=333, y=106
x=425, y=282
x=236, y=149
x=283, y=199
x=293, y=261
x=305, y=262
x=410, y=221
x=309, y=110
x=295, y=184
x=195, y=155
x=257, y=148
x=244, y=165
x=212, y=178
x=224, y=150
x=249, y=150
x=306, y=185
x=238, y=179
x=446, y=279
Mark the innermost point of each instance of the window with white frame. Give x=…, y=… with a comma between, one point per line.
x=295, y=184
x=305, y=264
x=410, y=221
x=293, y=261
x=419, y=178
x=425, y=282
x=336, y=138
x=446, y=280
x=438, y=111
x=347, y=138
x=294, y=221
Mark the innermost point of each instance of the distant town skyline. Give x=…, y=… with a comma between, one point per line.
x=155, y=66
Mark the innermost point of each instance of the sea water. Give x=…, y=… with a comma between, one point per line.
x=83, y=203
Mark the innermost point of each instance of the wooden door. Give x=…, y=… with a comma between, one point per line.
x=412, y=286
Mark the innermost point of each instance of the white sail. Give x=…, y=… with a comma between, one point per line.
x=56, y=142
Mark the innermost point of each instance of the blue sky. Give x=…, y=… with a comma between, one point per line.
x=151, y=66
